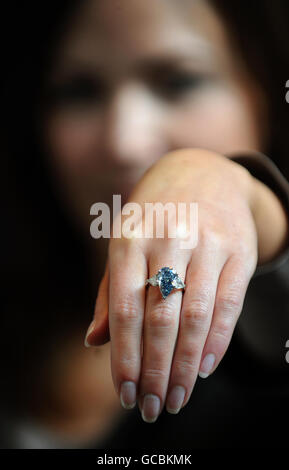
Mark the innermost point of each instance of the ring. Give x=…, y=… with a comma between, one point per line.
x=166, y=279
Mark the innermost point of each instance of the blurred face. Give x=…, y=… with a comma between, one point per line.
x=134, y=79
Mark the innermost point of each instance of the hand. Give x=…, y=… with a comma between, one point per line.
x=160, y=346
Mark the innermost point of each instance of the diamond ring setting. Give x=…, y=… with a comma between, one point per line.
x=166, y=279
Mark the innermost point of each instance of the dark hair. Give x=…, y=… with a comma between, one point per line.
x=46, y=283
x=260, y=30
x=47, y=290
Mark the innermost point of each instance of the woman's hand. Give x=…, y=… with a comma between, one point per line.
x=158, y=347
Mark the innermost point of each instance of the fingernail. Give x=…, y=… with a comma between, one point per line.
x=207, y=366
x=128, y=394
x=151, y=408
x=175, y=399
x=90, y=330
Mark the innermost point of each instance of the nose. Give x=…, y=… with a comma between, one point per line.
x=132, y=130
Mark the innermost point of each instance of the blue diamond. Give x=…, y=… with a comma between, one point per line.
x=166, y=276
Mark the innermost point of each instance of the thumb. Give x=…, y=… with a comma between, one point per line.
x=98, y=331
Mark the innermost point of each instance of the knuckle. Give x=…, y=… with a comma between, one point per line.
x=223, y=329
x=162, y=316
x=154, y=373
x=230, y=298
x=246, y=255
x=230, y=301
x=126, y=312
x=248, y=268
x=242, y=247
x=212, y=238
x=124, y=248
x=196, y=313
x=252, y=264
x=128, y=361
x=185, y=366
x=189, y=351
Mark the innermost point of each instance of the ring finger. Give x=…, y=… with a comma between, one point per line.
x=161, y=321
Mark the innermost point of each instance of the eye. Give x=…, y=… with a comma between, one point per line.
x=174, y=85
x=77, y=91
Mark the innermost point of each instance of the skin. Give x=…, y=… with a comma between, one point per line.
x=121, y=138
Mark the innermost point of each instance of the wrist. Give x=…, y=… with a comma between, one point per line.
x=271, y=222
